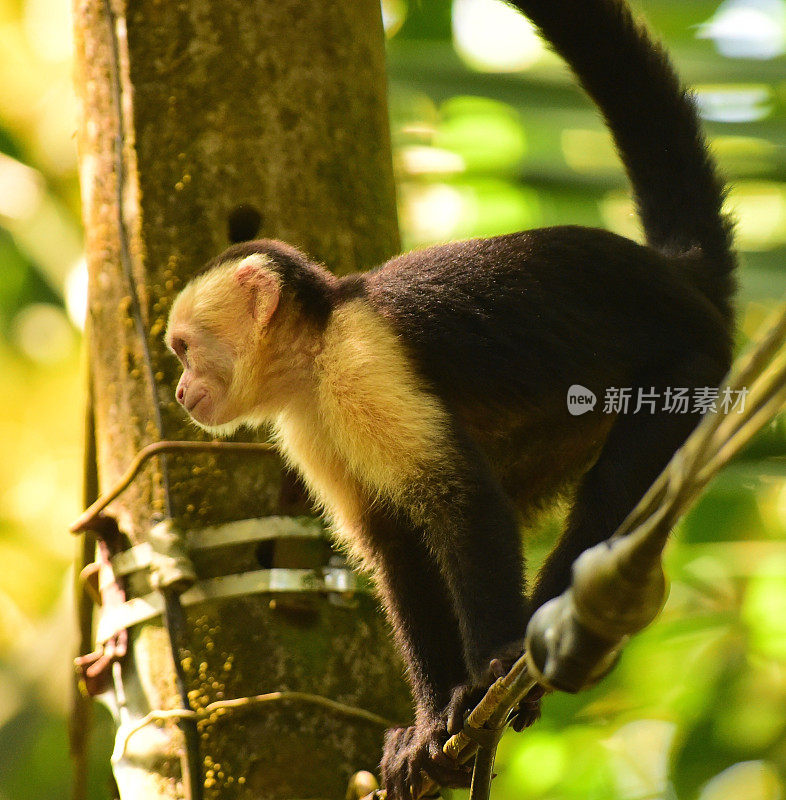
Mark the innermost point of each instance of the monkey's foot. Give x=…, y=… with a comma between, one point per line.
x=467, y=695
x=528, y=710
x=408, y=751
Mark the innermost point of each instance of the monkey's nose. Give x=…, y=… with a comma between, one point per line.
x=180, y=394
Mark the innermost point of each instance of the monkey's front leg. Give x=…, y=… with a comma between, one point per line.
x=427, y=634
x=476, y=538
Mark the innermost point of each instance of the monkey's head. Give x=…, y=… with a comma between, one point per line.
x=244, y=335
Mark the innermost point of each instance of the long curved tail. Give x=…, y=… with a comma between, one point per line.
x=656, y=130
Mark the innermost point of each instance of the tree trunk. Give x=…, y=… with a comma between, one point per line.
x=198, y=120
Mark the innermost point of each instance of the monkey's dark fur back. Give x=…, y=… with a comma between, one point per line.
x=533, y=312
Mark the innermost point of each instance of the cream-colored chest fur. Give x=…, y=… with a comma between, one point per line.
x=371, y=429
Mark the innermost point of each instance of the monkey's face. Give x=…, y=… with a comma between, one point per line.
x=216, y=329
x=204, y=387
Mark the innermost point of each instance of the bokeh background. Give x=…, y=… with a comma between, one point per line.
x=490, y=136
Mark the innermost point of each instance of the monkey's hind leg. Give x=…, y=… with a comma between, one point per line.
x=637, y=449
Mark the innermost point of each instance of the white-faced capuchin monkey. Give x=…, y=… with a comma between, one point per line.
x=424, y=402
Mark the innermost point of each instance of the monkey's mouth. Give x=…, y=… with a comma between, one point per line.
x=192, y=406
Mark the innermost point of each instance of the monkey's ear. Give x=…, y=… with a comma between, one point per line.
x=263, y=284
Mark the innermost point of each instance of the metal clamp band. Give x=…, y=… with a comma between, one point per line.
x=241, y=531
x=142, y=609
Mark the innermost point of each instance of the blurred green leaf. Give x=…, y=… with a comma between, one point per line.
x=488, y=135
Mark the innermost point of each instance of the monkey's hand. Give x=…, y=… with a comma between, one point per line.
x=407, y=751
x=467, y=695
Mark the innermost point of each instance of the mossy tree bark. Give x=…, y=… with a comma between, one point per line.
x=189, y=111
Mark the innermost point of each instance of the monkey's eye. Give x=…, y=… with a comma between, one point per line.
x=180, y=348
